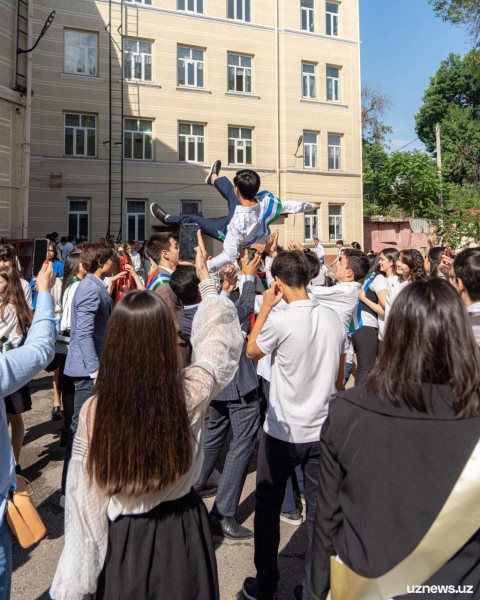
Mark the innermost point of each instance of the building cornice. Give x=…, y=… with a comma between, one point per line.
x=11, y=95
x=312, y=34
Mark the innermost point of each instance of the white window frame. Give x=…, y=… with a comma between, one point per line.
x=78, y=213
x=188, y=138
x=331, y=17
x=306, y=80
x=335, y=221
x=143, y=56
x=245, y=7
x=75, y=129
x=196, y=66
x=198, y=202
x=310, y=151
x=240, y=144
x=135, y=215
x=137, y=131
x=309, y=17
x=145, y=2
x=198, y=4
x=81, y=48
x=239, y=70
x=311, y=221
x=335, y=152
x=333, y=85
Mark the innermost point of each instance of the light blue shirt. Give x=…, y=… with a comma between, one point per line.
x=18, y=367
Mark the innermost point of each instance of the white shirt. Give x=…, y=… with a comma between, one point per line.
x=249, y=225
x=69, y=247
x=8, y=326
x=27, y=290
x=319, y=251
x=136, y=261
x=320, y=278
x=342, y=298
x=67, y=302
x=378, y=284
x=306, y=341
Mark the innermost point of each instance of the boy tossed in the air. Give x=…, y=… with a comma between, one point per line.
x=250, y=214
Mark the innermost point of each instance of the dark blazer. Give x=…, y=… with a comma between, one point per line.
x=91, y=308
x=245, y=379
x=385, y=474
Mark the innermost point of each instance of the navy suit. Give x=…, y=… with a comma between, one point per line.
x=237, y=406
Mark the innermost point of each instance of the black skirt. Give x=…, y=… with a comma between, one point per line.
x=19, y=402
x=165, y=554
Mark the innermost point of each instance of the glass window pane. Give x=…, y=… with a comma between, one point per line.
x=130, y=45
x=127, y=143
x=329, y=89
x=146, y=47
x=191, y=148
x=200, y=74
x=131, y=233
x=201, y=150
x=307, y=3
x=181, y=148
x=200, y=6
x=248, y=84
x=148, y=147
x=145, y=125
x=138, y=67
x=88, y=121
x=127, y=66
x=247, y=10
x=83, y=225
x=68, y=141
x=183, y=52
x=334, y=140
x=92, y=62
x=332, y=7
x=72, y=37
x=197, y=129
x=310, y=137
x=190, y=74
x=80, y=58
x=329, y=25
x=131, y=124
x=78, y=205
x=314, y=156
x=138, y=146
x=231, y=79
x=234, y=59
x=72, y=225
x=239, y=14
x=312, y=87
x=91, y=150
x=181, y=73
x=141, y=228
x=239, y=80
x=231, y=151
x=246, y=61
x=249, y=154
x=198, y=55
x=148, y=68
x=89, y=39
x=80, y=142
x=231, y=9
x=185, y=128
x=72, y=120
x=234, y=132
x=333, y=72
x=304, y=20
x=246, y=134
x=135, y=206
x=69, y=52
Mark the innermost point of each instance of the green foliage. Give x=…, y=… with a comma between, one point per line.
x=461, y=223
x=460, y=12
x=453, y=100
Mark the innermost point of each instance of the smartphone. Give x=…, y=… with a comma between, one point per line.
x=188, y=242
x=40, y=254
x=251, y=254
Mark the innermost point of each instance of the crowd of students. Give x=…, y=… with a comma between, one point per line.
x=155, y=361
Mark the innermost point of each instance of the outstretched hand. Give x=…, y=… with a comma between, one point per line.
x=296, y=246
x=271, y=245
x=45, y=278
x=251, y=268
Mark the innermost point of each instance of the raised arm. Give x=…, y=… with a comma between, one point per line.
x=231, y=244
x=291, y=208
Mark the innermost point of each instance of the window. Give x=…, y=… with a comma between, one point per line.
x=136, y=220
x=239, y=10
x=78, y=217
x=308, y=15
x=310, y=150
x=190, y=67
x=333, y=84
x=138, y=139
x=239, y=146
x=239, y=73
x=191, y=207
x=334, y=152
x=80, y=135
x=335, y=229
x=81, y=53
x=311, y=226
x=332, y=18
x=147, y=2
x=195, y=6
x=308, y=80
x=191, y=142
x=138, y=60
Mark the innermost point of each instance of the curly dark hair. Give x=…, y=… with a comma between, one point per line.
x=414, y=261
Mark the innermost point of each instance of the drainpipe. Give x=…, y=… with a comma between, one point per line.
x=28, y=120
x=360, y=122
x=277, y=96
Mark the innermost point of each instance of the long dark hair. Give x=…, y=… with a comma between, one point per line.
x=428, y=339
x=15, y=297
x=70, y=269
x=414, y=261
x=8, y=252
x=141, y=440
x=435, y=258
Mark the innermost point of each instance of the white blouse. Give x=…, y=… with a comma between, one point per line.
x=217, y=343
x=9, y=326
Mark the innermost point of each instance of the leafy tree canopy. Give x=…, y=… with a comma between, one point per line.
x=460, y=12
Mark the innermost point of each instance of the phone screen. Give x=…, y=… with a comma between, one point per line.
x=188, y=242
x=40, y=254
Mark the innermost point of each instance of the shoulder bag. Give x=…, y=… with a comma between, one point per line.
x=22, y=516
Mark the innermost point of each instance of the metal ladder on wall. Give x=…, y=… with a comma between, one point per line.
x=116, y=102
x=22, y=41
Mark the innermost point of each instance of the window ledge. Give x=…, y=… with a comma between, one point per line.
x=186, y=88
x=323, y=102
x=243, y=95
x=77, y=77
x=140, y=83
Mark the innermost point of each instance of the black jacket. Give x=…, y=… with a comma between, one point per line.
x=385, y=474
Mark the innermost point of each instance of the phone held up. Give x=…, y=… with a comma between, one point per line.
x=40, y=254
x=188, y=242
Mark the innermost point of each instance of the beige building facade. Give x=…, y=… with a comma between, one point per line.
x=265, y=84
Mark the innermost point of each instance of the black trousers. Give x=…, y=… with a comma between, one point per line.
x=365, y=343
x=83, y=391
x=243, y=417
x=276, y=462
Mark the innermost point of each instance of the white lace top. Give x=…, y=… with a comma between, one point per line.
x=217, y=342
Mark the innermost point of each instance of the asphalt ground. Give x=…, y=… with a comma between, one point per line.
x=42, y=461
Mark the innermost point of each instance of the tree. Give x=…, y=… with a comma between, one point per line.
x=460, y=225
x=460, y=12
x=453, y=100
x=375, y=105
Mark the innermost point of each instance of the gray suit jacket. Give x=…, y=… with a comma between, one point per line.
x=91, y=309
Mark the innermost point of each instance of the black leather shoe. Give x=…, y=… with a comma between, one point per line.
x=293, y=518
x=57, y=413
x=214, y=170
x=298, y=592
x=158, y=212
x=229, y=528
x=251, y=592
x=209, y=491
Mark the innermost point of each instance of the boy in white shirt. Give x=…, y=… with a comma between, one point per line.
x=250, y=214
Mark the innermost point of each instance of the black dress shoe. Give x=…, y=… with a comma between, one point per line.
x=57, y=413
x=298, y=592
x=251, y=592
x=158, y=212
x=214, y=170
x=229, y=528
x=209, y=491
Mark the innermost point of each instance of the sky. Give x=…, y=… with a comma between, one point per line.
x=403, y=43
